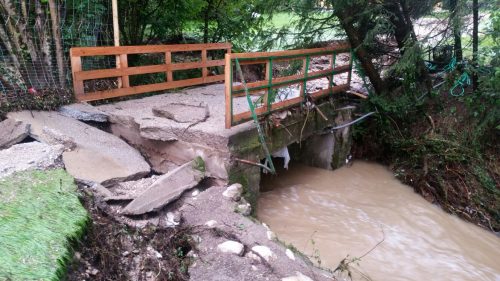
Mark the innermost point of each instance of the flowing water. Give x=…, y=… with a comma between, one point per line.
x=350, y=210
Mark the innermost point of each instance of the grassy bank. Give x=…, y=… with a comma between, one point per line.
x=40, y=215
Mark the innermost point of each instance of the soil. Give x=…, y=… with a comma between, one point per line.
x=147, y=247
x=112, y=250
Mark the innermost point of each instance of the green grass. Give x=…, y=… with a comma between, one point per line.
x=40, y=214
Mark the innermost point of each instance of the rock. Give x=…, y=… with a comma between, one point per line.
x=101, y=190
x=30, y=156
x=231, y=247
x=264, y=252
x=99, y=157
x=253, y=256
x=233, y=192
x=211, y=223
x=244, y=209
x=182, y=113
x=166, y=189
x=52, y=136
x=290, y=254
x=270, y=235
x=298, y=277
x=195, y=193
x=83, y=112
x=173, y=219
x=12, y=132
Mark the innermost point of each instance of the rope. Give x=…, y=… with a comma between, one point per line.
x=262, y=138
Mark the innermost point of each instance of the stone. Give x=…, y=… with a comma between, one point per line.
x=165, y=189
x=83, y=112
x=173, y=219
x=182, y=113
x=12, y=132
x=211, y=223
x=195, y=193
x=253, y=256
x=99, y=157
x=290, y=254
x=244, y=209
x=270, y=235
x=30, y=156
x=264, y=252
x=298, y=277
x=233, y=192
x=52, y=136
x=231, y=247
x=102, y=191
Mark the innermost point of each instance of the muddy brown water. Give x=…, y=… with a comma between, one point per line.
x=350, y=210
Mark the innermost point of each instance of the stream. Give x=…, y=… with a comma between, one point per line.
x=334, y=214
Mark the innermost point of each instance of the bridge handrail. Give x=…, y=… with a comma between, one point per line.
x=270, y=83
x=124, y=71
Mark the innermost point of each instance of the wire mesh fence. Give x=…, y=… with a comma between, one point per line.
x=35, y=38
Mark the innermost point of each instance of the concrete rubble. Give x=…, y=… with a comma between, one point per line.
x=83, y=112
x=30, y=156
x=93, y=156
x=182, y=113
x=166, y=189
x=12, y=132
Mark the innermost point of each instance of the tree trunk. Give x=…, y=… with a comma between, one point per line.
x=361, y=53
x=56, y=36
x=206, y=21
x=475, y=43
x=457, y=34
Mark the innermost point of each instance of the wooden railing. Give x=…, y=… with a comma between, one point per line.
x=266, y=87
x=124, y=71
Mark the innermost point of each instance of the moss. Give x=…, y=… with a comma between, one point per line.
x=199, y=164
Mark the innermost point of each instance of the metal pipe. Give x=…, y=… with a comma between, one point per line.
x=254, y=164
x=352, y=122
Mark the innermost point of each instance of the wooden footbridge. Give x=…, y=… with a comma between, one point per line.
x=273, y=91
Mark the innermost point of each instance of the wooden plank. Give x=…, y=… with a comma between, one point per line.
x=76, y=65
x=290, y=80
x=227, y=90
x=107, y=73
x=124, y=65
x=257, y=55
x=245, y=116
x=168, y=60
x=149, y=88
x=204, y=70
x=109, y=51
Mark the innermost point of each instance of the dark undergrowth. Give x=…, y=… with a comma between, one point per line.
x=445, y=147
x=114, y=251
x=34, y=99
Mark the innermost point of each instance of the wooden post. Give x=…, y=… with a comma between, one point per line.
x=116, y=37
x=304, y=71
x=204, y=70
x=168, y=61
x=76, y=66
x=228, y=84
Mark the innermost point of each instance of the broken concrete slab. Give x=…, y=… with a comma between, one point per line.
x=83, y=112
x=167, y=188
x=129, y=190
x=182, y=113
x=98, y=157
x=12, y=132
x=30, y=156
